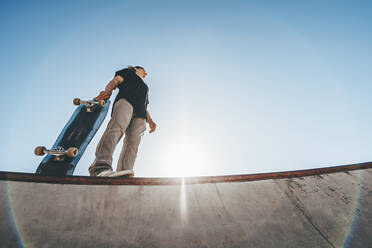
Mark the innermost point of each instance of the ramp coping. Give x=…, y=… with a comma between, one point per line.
x=88, y=180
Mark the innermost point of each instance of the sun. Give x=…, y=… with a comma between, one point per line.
x=187, y=158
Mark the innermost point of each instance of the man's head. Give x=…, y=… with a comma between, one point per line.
x=140, y=71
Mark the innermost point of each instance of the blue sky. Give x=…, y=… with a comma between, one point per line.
x=235, y=87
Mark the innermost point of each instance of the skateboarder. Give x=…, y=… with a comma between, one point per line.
x=129, y=116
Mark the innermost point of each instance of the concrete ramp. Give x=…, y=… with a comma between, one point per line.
x=330, y=207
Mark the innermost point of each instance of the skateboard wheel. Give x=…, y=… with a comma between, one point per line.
x=101, y=103
x=39, y=150
x=76, y=101
x=72, y=152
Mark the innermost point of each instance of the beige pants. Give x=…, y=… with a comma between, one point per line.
x=121, y=122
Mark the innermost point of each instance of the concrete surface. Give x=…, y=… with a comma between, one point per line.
x=329, y=210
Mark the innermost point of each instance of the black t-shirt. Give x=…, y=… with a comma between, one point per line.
x=134, y=90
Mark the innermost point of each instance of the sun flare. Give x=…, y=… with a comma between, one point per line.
x=186, y=158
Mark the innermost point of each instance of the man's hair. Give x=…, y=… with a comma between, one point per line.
x=130, y=67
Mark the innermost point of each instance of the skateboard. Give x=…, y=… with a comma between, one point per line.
x=70, y=145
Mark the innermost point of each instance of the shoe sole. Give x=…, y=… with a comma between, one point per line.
x=123, y=174
x=105, y=175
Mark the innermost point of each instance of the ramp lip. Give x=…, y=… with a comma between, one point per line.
x=87, y=180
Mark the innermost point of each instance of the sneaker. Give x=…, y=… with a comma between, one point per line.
x=105, y=173
x=123, y=173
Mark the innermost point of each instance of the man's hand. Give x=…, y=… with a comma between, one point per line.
x=103, y=95
x=152, y=126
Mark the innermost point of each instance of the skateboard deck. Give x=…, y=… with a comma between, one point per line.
x=70, y=145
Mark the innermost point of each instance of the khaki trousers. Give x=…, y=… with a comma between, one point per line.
x=121, y=122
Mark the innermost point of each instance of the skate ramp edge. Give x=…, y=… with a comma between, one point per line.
x=87, y=180
x=324, y=207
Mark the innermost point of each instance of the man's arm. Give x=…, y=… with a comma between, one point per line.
x=152, y=124
x=109, y=88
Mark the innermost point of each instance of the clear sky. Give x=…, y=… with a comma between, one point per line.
x=235, y=86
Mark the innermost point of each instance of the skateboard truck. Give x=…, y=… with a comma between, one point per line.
x=59, y=153
x=89, y=104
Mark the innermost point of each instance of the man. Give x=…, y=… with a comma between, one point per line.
x=129, y=116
